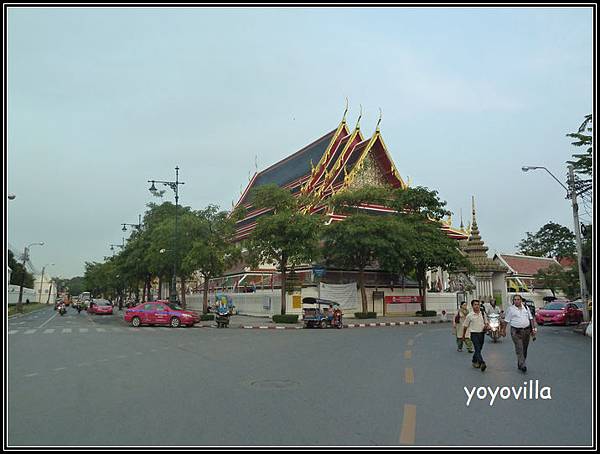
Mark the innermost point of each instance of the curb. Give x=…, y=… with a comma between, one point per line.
x=350, y=325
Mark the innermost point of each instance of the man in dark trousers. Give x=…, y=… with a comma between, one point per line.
x=522, y=327
x=476, y=321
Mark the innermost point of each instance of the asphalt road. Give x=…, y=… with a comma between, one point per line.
x=93, y=381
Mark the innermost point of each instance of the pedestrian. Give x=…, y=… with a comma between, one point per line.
x=522, y=327
x=477, y=323
x=459, y=319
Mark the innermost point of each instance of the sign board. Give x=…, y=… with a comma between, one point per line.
x=403, y=299
x=318, y=271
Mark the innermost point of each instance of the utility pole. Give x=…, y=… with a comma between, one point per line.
x=582, y=280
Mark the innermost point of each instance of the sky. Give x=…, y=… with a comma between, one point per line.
x=100, y=100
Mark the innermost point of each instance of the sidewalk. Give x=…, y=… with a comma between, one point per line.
x=248, y=322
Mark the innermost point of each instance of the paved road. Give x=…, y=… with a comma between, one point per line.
x=94, y=381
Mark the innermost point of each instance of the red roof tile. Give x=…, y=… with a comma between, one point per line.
x=527, y=265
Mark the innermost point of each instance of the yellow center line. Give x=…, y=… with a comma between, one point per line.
x=408, y=354
x=409, y=375
x=409, y=423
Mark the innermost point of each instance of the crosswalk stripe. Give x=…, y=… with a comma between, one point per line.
x=83, y=330
x=49, y=331
x=13, y=331
x=67, y=330
x=30, y=331
x=101, y=330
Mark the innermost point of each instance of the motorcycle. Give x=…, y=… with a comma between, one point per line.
x=494, y=323
x=62, y=309
x=222, y=317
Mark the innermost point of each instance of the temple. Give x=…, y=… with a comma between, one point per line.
x=341, y=159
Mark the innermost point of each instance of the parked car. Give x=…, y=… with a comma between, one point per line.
x=160, y=313
x=559, y=313
x=100, y=306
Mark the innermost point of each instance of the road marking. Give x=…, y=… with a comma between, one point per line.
x=13, y=331
x=32, y=375
x=67, y=330
x=409, y=376
x=42, y=325
x=30, y=331
x=411, y=342
x=101, y=330
x=83, y=330
x=49, y=331
x=409, y=423
x=153, y=350
x=59, y=368
x=138, y=353
x=84, y=364
x=408, y=354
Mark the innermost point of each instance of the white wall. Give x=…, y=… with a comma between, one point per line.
x=13, y=294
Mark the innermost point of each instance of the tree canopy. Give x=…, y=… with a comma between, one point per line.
x=552, y=240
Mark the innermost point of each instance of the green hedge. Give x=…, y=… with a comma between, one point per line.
x=426, y=313
x=205, y=317
x=287, y=318
x=365, y=314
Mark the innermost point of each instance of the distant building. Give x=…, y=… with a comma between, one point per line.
x=520, y=276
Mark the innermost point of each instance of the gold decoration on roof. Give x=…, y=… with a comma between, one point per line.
x=379, y=121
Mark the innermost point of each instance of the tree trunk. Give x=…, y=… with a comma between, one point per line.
x=283, y=283
x=423, y=289
x=363, y=291
x=205, y=297
x=183, y=300
x=160, y=287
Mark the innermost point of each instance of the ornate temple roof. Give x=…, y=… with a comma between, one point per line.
x=476, y=250
x=344, y=159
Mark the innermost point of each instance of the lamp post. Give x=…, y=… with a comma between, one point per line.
x=25, y=258
x=137, y=226
x=113, y=246
x=572, y=194
x=42, y=279
x=174, y=185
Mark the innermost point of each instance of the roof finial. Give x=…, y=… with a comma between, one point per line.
x=345, y=111
x=256, y=162
x=473, y=205
x=359, y=117
x=462, y=226
x=379, y=121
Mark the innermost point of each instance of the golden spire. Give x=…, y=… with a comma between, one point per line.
x=312, y=166
x=378, y=121
x=462, y=226
x=345, y=111
x=359, y=117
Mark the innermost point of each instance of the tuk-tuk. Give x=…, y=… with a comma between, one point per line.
x=319, y=313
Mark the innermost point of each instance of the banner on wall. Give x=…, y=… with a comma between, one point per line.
x=344, y=294
x=403, y=299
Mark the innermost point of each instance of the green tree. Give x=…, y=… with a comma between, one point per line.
x=552, y=241
x=551, y=278
x=212, y=252
x=357, y=242
x=583, y=161
x=285, y=236
x=19, y=272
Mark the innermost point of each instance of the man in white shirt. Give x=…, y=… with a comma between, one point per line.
x=522, y=326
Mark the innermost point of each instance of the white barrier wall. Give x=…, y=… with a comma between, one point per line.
x=28, y=294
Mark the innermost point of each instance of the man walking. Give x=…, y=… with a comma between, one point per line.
x=476, y=322
x=522, y=327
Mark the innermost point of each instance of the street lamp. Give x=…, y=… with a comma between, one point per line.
x=42, y=280
x=572, y=194
x=25, y=258
x=137, y=226
x=11, y=197
x=174, y=185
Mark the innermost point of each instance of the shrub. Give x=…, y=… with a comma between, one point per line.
x=365, y=314
x=205, y=317
x=287, y=318
x=427, y=313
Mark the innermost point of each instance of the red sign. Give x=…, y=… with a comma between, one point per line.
x=403, y=299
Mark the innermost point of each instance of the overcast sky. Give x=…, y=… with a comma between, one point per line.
x=102, y=99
